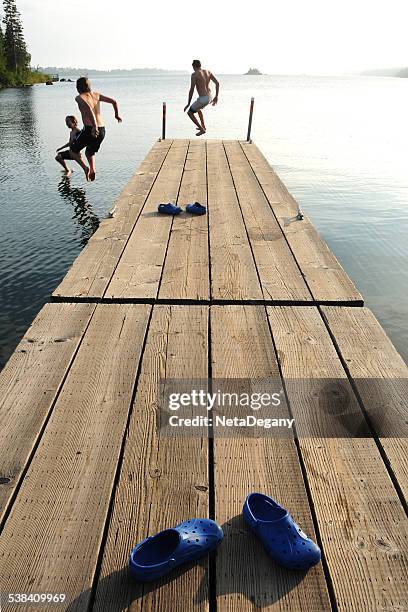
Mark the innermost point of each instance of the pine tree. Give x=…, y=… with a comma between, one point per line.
x=16, y=55
x=2, y=54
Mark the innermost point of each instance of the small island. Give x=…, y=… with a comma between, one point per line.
x=253, y=71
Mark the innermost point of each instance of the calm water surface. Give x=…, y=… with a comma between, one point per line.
x=338, y=143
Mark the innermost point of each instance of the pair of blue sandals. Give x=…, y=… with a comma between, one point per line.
x=171, y=209
x=282, y=538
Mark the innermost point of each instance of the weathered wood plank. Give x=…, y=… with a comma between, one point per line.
x=381, y=378
x=29, y=384
x=281, y=279
x=140, y=267
x=246, y=578
x=233, y=271
x=91, y=272
x=325, y=277
x=186, y=269
x=163, y=480
x=361, y=521
x=52, y=537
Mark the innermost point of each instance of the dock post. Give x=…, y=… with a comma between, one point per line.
x=164, y=122
x=251, y=112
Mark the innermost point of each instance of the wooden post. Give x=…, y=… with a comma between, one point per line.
x=164, y=122
x=251, y=112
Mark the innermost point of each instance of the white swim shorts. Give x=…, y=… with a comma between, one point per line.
x=200, y=103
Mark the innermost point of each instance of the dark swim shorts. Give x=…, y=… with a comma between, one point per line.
x=65, y=155
x=85, y=139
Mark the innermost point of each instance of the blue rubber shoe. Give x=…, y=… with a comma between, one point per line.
x=169, y=209
x=157, y=555
x=283, y=539
x=196, y=209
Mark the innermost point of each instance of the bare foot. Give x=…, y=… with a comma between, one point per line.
x=68, y=172
x=200, y=132
x=92, y=176
x=86, y=170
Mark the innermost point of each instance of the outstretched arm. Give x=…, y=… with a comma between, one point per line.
x=65, y=146
x=103, y=98
x=217, y=88
x=190, y=93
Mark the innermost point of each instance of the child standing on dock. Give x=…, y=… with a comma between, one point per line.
x=93, y=132
x=72, y=123
x=200, y=80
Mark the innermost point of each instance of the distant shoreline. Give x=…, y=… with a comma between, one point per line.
x=92, y=72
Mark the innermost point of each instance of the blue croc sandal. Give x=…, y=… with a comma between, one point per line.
x=159, y=554
x=196, y=209
x=283, y=539
x=169, y=209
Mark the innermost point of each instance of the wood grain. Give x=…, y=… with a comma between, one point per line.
x=362, y=523
x=281, y=279
x=381, y=378
x=247, y=578
x=233, y=270
x=140, y=267
x=186, y=269
x=52, y=537
x=324, y=276
x=29, y=384
x=163, y=481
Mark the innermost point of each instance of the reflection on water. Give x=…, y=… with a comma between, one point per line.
x=18, y=132
x=83, y=215
x=26, y=127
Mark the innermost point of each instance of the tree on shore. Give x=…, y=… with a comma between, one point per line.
x=2, y=52
x=14, y=57
x=17, y=58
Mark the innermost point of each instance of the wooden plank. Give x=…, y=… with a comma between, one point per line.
x=52, y=537
x=233, y=271
x=140, y=267
x=163, y=480
x=91, y=272
x=325, y=277
x=362, y=523
x=278, y=271
x=246, y=578
x=29, y=384
x=381, y=378
x=186, y=269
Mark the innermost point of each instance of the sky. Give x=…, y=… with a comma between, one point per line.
x=277, y=37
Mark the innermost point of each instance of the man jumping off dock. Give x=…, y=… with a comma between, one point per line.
x=93, y=131
x=200, y=80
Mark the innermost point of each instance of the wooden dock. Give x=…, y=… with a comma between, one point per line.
x=244, y=292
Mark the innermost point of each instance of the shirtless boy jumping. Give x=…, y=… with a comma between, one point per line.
x=93, y=132
x=200, y=80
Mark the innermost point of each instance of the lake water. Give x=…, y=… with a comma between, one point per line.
x=339, y=144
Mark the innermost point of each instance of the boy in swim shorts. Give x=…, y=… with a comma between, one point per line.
x=200, y=80
x=72, y=123
x=93, y=132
